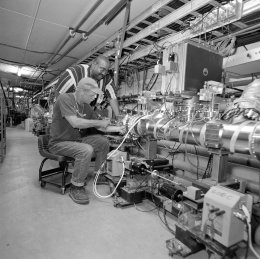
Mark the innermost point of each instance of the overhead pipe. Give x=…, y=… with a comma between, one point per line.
x=82, y=21
x=240, y=32
x=111, y=14
x=239, y=83
x=107, y=18
x=116, y=11
x=68, y=50
x=31, y=83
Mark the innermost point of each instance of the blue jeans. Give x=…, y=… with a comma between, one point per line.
x=82, y=151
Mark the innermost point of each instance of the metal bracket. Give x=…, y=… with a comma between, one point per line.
x=84, y=36
x=73, y=32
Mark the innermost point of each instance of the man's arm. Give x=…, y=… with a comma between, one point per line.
x=114, y=105
x=111, y=94
x=80, y=123
x=120, y=129
x=103, y=125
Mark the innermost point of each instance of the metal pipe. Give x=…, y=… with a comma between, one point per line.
x=193, y=170
x=68, y=37
x=201, y=151
x=182, y=165
x=253, y=27
x=239, y=83
x=68, y=50
x=31, y=83
x=116, y=10
x=243, y=138
x=107, y=16
x=83, y=20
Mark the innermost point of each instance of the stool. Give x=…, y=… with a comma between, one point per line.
x=64, y=161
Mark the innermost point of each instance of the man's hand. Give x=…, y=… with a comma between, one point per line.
x=120, y=129
x=104, y=123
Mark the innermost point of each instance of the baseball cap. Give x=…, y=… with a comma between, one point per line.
x=90, y=84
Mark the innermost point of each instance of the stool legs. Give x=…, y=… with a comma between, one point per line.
x=45, y=176
x=64, y=167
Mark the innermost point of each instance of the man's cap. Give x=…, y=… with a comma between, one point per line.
x=90, y=84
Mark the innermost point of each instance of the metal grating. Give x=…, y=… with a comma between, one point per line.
x=177, y=26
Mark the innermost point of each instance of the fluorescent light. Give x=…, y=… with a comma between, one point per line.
x=17, y=89
x=8, y=68
x=19, y=71
x=25, y=71
x=30, y=72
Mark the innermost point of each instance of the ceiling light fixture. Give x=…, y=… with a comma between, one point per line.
x=19, y=71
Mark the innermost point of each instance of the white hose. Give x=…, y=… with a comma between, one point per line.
x=248, y=220
x=96, y=193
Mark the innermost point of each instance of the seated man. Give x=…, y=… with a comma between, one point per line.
x=98, y=70
x=71, y=113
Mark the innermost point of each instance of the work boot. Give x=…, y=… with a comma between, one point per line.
x=79, y=194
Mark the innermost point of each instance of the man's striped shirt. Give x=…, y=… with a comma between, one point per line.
x=71, y=76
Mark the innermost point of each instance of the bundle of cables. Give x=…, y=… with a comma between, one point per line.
x=226, y=46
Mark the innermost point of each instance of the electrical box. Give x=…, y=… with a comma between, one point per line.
x=218, y=220
x=159, y=69
x=202, y=64
x=115, y=162
x=195, y=64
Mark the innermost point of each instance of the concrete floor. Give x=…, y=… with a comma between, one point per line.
x=40, y=223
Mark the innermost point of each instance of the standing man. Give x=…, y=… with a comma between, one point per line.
x=98, y=70
x=72, y=112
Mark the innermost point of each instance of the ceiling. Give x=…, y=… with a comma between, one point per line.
x=31, y=32
x=35, y=34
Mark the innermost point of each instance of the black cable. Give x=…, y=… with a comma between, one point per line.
x=138, y=187
x=158, y=212
x=166, y=223
x=169, y=83
x=196, y=151
x=154, y=81
x=177, y=148
x=207, y=167
x=247, y=244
